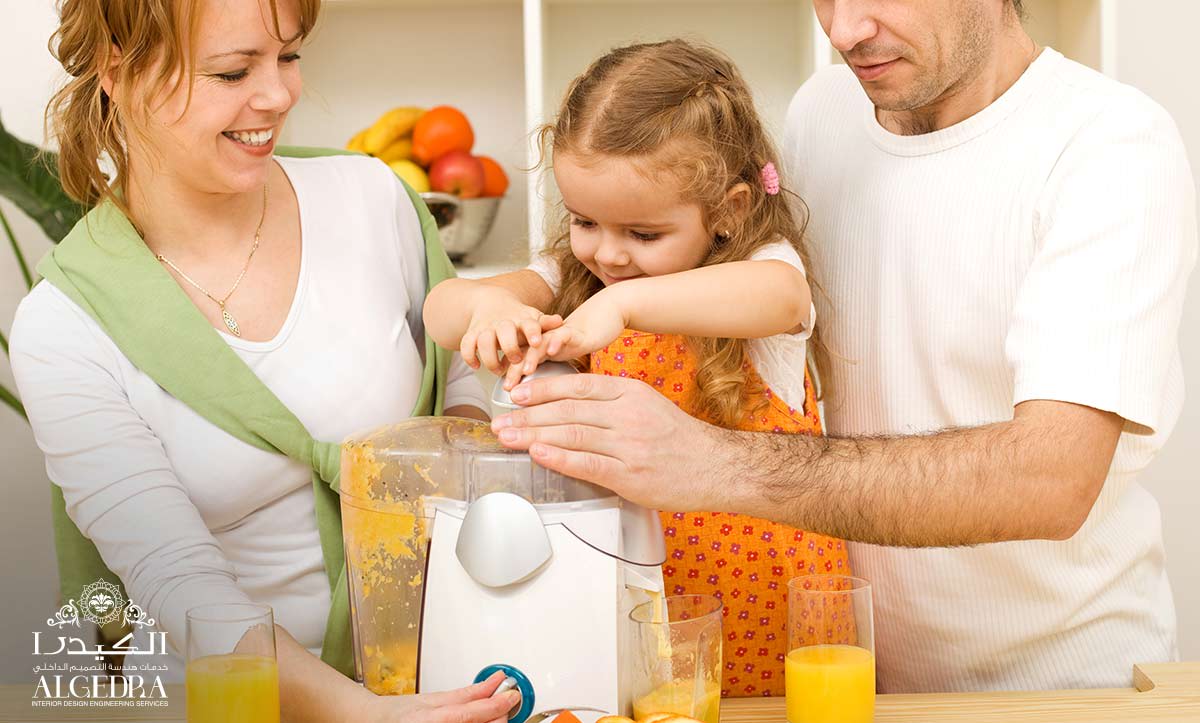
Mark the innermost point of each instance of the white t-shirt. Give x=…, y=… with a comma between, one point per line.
x=1037, y=250
x=779, y=359
x=183, y=512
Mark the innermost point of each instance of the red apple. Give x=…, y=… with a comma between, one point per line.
x=457, y=172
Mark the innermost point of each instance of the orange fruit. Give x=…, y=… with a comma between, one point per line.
x=565, y=717
x=495, y=180
x=439, y=131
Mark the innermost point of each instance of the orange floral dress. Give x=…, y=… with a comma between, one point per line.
x=744, y=561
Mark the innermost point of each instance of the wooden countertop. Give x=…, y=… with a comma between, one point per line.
x=1160, y=692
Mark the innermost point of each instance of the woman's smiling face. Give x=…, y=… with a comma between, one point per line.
x=625, y=225
x=247, y=79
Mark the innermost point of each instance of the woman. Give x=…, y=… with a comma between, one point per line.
x=312, y=273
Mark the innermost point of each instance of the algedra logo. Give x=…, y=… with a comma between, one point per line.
x=76, y=683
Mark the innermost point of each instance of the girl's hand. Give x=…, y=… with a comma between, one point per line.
x=465, y=705
x=501, y=323
x=592, y=326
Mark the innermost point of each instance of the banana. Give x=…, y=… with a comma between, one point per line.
x=356, y=143
x=398, y=150
x=392, y=125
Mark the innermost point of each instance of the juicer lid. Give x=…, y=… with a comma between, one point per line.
x=460, y=459
x=500, y=396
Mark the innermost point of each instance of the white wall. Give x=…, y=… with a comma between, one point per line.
x=1154, y=39
x=348, y=84
x=28, y=568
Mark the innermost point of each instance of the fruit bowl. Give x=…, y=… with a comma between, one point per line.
x=463, y=223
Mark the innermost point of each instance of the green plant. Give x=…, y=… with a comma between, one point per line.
x=28, y=179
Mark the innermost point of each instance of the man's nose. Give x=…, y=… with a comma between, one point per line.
x=848, y=23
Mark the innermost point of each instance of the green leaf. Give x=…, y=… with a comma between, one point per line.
x=31, y=183
x=12, y=240
x=11, y=400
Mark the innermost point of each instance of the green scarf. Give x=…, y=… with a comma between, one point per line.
x=104, y=266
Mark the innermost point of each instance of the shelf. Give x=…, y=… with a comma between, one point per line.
x=767, y=39
x=771, y=41
x=506, y=63
x=364, y=59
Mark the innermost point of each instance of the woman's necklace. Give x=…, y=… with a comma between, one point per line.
x=230, y=322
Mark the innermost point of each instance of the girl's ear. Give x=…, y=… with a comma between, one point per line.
x=737, y=203
x=106, y=78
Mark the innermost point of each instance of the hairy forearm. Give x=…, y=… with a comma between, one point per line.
x=999, y=482
x=740, y=300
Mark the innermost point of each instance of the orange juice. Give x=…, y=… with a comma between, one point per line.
x=233, y=688
x=391, y=669
x=830, y=684
x=679, y=697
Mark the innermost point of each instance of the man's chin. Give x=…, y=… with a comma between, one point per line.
x=895, y=98
x=886, y=99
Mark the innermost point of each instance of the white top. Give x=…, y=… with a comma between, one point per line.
x=1038, y=250
x=183, y=512
x=779, y=359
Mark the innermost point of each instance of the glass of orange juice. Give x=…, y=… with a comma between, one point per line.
x=232, y=676
x=676, y=657
x=830, y=665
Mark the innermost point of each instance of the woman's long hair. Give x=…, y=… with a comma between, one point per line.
x=153, y=38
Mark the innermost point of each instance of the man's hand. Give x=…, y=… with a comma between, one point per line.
x=619, y=433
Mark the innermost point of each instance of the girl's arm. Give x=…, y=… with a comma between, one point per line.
x=736, y=300
x=739, y=300
x=481, y=317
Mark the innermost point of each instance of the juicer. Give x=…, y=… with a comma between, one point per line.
x=465, y=558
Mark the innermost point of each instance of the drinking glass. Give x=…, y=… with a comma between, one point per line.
x=830, y=665
x=677, y=657
x=232, y=676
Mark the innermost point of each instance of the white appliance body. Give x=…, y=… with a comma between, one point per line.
x=566, y=627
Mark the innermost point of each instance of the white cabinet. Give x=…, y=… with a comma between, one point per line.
x=506, y=63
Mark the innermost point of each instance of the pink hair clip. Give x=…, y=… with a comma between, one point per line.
x=770, y=179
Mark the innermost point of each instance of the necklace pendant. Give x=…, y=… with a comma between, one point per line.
x=230, y=322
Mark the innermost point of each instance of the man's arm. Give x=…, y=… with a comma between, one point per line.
x=1034, y=477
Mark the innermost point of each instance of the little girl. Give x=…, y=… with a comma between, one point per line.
x=675, y=226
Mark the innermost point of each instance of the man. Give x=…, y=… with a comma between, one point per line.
x=1005, y=238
